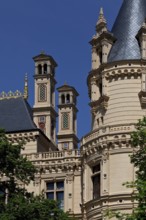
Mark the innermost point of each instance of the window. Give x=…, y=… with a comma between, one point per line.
x=100, y=56
x=96, y=181
x=55, y=191
x=65, y=120
x=62, y=99
x=65, y=145
x=42, y=92
x=100, y=88
x=39, y=69
x=42, y=118
x=42, y=123
x=68, y=98
x=45, y=68
x=102, y=120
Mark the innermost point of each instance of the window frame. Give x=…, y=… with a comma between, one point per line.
x=96, y=174
x=56, y=190
x=39, y=93
x=62, y=121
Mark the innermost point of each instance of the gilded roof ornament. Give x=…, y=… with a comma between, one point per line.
x=26, y=87
x=10, y=94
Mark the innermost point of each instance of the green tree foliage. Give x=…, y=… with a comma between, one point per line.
x=138, y=158
x=15, y=202
x=34, y=208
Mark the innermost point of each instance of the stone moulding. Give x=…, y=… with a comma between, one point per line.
x=118, y=201
x=123, y=72
x=26, y=136
x=102, y=102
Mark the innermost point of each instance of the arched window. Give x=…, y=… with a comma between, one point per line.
x=65, y=120
x=39, y=69
x=68, y=98
x=62, y=99
x=42, y=93
x=45, y=68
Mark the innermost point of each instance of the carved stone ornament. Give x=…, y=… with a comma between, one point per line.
x=102, y=102
x=142, y=97
x=69, y=178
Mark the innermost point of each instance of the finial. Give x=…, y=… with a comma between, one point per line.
x=101, y=18
x=65, y=83
x=42, y=52
x=101, y=12
x=101, y=23
x=26, y=87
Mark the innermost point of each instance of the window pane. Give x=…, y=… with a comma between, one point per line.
x=96, y=186
x=50, y=195
x=60, y=198
x=50, y=186
x=60, y=185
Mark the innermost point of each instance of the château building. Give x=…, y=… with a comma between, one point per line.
x=86, y=175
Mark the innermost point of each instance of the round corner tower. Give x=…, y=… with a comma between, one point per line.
x=117, y=90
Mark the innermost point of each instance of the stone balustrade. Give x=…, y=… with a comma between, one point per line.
x=53, y=155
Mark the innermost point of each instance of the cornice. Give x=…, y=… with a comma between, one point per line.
x=104, y=36
x=45, y=76
x=102, y=103
x=68, y=136
x=22, y=136
x=116, y=138
x=115, y=66
x=45, y=108
x=56, y=161
x=68, y=105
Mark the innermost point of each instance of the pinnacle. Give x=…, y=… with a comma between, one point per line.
x=101, y=18
x=101, y=12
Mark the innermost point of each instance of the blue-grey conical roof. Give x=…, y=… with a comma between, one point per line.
x=128, y=22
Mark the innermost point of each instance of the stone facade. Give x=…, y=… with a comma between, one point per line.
x=88, y=181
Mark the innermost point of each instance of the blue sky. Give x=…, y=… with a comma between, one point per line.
x=62, y=28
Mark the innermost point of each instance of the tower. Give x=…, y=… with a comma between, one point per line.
x=44, y=113
x=101, y=44
x=67, y=132
x=117, y=91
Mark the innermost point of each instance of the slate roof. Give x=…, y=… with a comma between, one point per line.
x=16, y=115
x=129, y=20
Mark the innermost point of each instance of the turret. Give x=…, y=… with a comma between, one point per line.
x=101, y=42
x=44, y=106
x=67, y=131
